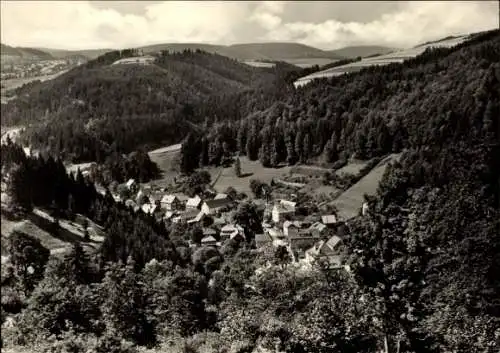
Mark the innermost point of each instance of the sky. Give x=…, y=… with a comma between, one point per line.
x=322, y=24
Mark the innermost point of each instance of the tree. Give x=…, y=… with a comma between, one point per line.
x=124, y=307
x=77, y=265
x=20, y=187
x=237, y=167
x=248, y=217
x=264, y=155
x=282, y=256
x=28, y=257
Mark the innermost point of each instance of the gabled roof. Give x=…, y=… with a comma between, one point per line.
x=220, y=196
x=317, y=226
x=216, y=203
x=228, y=228
x=209, y=231
x=198, y=217
x=328, y=247
x=329, y=219
x=193, y=201
x=168, y=199
x=288, y=204
x=208, y=239
x=263, y=238
x=182, y=197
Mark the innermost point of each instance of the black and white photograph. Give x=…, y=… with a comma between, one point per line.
x=250, y=176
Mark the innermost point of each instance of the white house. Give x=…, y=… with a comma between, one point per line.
x=193, y=202
x=329, y=219
x=211, y=207
x=282, y=210
x=364, y=210
x=290, y=228
x=327, y=252
x=209, y=241
x=170, y=202
x=232, y=231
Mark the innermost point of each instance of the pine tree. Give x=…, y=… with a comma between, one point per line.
x=307, y=149
x=77, y=265
x=215, y=152
x=331, y=149
x=290, y=148
x=241, y=139
x=264, y=155
x=20, y=187
x=237, y=167
x=299, y=145
x=275, y=158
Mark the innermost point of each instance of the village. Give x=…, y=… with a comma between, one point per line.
x=309, y=239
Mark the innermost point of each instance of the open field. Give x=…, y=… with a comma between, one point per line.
x=394, y=57
x=18, y=82
x=353, y=168
x=249, y=170
x=37, y=225
x=350, y=202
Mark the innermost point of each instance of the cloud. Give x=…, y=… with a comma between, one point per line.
x=412, y=24
x=329, y=25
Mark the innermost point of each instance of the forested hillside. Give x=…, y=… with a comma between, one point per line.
x=100, y=107
x=439, y=96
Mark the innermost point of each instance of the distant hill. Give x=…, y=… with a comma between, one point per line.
x=9, y=53
x=292, y=53
x=88, y=54
x=20, y=54
x=103, y=106
x=361, y=50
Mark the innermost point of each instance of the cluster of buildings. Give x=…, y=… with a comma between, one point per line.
x=307, y=241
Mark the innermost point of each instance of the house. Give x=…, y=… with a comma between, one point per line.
x=302, y=241
x=193, y=202
x=209, y=232
x=317, y=229
x=326, y=252
x=169, y=214
x=233, y=232
x=209, y=241
x=329, y=220
x=170, y=203
x=199, y=217
x=185, y=216
x=131, y=184
x=365, y=209
x=263, y=240
x=282, y=210
x=214, y=206
x=290, y=228
x=274, y=233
